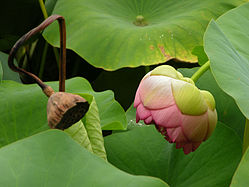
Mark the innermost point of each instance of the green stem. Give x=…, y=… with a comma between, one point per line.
x=246, y=136
x=200, y=71
x=43, y=9
x=43, y=59
x=45, y=15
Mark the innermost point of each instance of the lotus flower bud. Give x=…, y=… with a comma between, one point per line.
x=182, y=113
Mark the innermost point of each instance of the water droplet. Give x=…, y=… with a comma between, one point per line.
x=172, y=36
x=133, y=123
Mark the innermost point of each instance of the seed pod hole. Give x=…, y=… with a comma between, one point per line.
x=65, y=109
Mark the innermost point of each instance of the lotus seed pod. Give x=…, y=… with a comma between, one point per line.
x=65, y=109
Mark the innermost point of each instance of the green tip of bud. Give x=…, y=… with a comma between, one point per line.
x=167, y=71
x=186, y=79
x=209, y=99
x=188, y=98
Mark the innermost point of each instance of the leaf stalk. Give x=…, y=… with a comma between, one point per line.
x=62, y=70
x=200, y=71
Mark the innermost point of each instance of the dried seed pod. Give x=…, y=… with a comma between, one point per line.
x=65, y=109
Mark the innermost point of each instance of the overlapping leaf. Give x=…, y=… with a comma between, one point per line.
x=103, y=32
x=226, y=43
x=78, y=133
x=143, y=151
x=52, y=158
x=241, y=176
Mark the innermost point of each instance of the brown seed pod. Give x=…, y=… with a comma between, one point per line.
x=65, y=109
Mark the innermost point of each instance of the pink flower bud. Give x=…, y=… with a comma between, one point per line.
x=182, y=113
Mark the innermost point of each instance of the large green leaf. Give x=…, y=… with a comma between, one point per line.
x=53, y=159
x=103, y=32
x=23, y=108
x=226, y=43
x=93, y=128
x=228, y=111
x=241, y=176
x=143, y=151
x=78, y=132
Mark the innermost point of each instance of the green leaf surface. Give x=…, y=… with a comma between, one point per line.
x=106, y=34
x=227, y=110
x=143, y=151
x=201, y=55
x=131, y=118
x=226, y=43
x=241, y=176
x=112, y=115
x=8, y=74
x=78, y=133
x=93, y=128
x=23, y=108
x=53, y=159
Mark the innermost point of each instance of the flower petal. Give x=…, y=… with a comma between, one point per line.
x=195, y=127
x=188, y=98
x=212, y=120
x=149, y=120
x=195, y=145
x=180, y=145
x=187, y=148
x=209, y=99
x=155, y=92
x=167, y=117
x=137, y=100
x=137, y=118
x=142, y=112
x=176, y=134
x=167, y=71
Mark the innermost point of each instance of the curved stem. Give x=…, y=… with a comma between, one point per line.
x=200, y=71
x=24, y=38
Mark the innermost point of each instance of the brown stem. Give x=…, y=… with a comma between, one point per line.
x=62, y=68
x=62, y=72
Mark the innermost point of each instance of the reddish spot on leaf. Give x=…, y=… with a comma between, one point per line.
x=168, y=57
x=152, y=47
